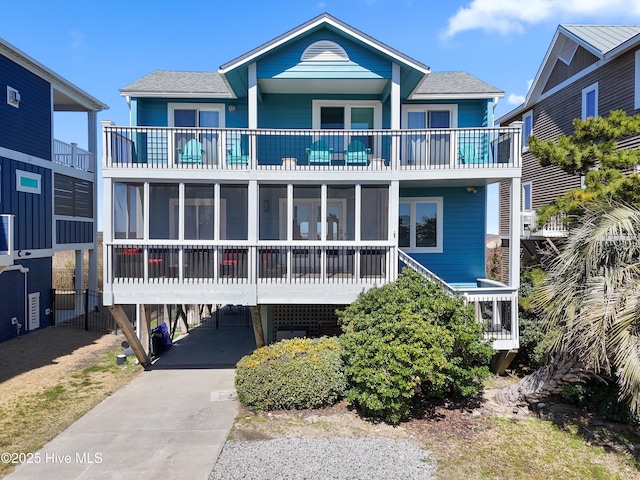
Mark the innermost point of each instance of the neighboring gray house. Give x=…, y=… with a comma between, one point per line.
x=588, y=70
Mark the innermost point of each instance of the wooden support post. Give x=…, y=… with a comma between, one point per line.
x=145, y=326
x=125, y=325
x=501, y=361
x=257, y=325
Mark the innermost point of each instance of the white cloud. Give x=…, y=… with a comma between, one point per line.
x=512, y=16
x=515, y=99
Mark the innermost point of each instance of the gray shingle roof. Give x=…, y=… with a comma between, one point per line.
x=603, y=38
x=456, y=83
x=166, y=82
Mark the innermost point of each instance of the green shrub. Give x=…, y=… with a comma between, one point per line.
x=292, y=374
x=601, y=398
x=406, y=337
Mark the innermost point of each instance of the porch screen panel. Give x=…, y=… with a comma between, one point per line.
x=234, y=212
x=128, y=210
x=341, y=205
x=374, y=212
x=164, y=211
x=273, y=212
x=198, y=212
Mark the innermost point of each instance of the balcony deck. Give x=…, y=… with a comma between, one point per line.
x=302, y=273
x=70, y=155
x=263, y=150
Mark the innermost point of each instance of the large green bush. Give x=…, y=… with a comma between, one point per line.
x=292, y=374
x=407, y=337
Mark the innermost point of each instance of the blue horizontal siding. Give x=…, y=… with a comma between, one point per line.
x=154, y=112
x=285, y=62
x=32, y=223
x=68, y=231
x=26, y=129
x=463, y=257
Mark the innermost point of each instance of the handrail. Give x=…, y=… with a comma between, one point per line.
x=421, y=269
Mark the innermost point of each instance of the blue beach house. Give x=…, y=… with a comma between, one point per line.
x=47, y=189
x=320, y=164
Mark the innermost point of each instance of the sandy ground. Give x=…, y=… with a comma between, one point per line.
x=37, y=361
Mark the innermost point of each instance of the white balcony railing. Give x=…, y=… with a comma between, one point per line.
x=73, y=156
x=555, y=227
x=264, y=149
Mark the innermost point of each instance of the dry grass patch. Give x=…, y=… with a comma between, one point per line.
x=53, y=377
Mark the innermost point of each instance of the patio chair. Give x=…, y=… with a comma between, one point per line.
x=319, y=153
x=356, y=154
x=191, y=153
x=235, y=155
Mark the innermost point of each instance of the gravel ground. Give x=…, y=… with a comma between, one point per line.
x=345, y=458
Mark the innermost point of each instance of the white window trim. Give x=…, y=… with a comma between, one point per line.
x=636, y=94
x=31, y=176
x=530, y=185
x=426, y=108
x=209, y=107
x=525, y=136
x=585, y=91
x=439, y=248
x=316, y=105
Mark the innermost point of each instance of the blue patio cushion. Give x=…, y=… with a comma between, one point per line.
x=356, y=153
x=319, y=153
x=235, y=155
x=191, y=153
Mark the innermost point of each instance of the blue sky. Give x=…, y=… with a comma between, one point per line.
x=103, y=46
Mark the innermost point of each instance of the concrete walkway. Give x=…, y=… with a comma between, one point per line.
x=170, y=422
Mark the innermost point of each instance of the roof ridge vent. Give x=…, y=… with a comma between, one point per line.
x=568, y=51
x=324, y=51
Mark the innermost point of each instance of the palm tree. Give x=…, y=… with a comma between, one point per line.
x=591, y=308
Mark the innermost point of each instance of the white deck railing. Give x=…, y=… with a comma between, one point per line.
x=73, y=156
x=304, y=150
x=555, y=227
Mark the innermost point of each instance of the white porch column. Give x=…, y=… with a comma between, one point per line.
x=514, y=233
x=394, y=205
x=252, y=229
x=395, y=115
x=253, y=97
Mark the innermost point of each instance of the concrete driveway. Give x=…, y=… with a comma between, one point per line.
x=169, y=422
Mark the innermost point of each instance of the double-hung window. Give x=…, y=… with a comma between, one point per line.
x=590, y=101
x=527, y=129
x=420, y=224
